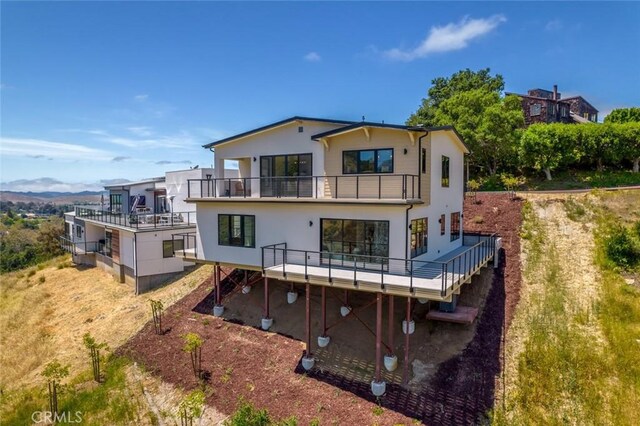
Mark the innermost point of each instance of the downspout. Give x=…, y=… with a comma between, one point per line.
x=135, y=259
x=426, y=132
x=406, y=232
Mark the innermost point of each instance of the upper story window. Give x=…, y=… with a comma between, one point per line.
x=236, y=230
x=419, y=236
x=115, y=201
x=455, y=226
x=535, y=109
x=445, y=171
x=78, y=231
x=443, y=225
x=367, y=161
x=423, y=160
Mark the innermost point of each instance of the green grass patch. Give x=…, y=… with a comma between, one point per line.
x=568, y=179
x=107, y=403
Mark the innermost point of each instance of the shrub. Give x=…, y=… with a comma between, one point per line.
x=247, y=415
x=636, y=228
x=42, y=279
x=622, y=249
x=31, y=273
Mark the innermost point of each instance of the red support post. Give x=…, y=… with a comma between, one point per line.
x=324, y=311
x=391, y=324
x=266, y=297
x=246, y=278
x=308, y=321
x=405, y=376
x=378, y=336
x=218, y=285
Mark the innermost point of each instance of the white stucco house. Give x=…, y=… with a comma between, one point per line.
x=131, y=235
x=358, y=206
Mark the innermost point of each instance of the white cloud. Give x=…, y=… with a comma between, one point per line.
x=141, y=98
x=142, y=131
x=453, y=36
x=553, y=25
x=164, y=162
x=119, y=159
x=312, y=57
x=57, y=150
x=46, y=184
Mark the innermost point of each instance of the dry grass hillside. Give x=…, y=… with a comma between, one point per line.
x=45, y=311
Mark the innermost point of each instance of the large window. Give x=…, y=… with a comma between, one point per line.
x=445, y=171
x=236, y=230
x=367, y=161
x=170, y=246
x=455, y=226
x=419, y=234
x=535, y=109
x=356, y=237
x=115, y=203
x=284, y=175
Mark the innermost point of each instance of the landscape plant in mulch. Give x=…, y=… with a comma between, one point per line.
x=191, y=407
x=54, y=372
x=94, y=352
x=473, y=186
x=156, y=310
x=193, y=345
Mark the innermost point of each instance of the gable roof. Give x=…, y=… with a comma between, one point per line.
x=583, y=100
x=359, y=125
x=273, y=126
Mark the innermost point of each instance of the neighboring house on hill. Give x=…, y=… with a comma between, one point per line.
x=356, y=206
x=132, y=234
x=545, y=106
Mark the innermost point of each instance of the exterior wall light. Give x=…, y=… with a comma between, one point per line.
x=255, y=159
x=405, y=151
x=310, y=223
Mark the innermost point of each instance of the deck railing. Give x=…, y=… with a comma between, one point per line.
x=138, y=221
x=185, y=245
x=379, y=186
x=78, y=247
x=450, y=273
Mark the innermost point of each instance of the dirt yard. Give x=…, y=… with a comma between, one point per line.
x=44, y=316
x=456, y=366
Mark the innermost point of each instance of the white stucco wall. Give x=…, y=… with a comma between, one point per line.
x=284, y=222
x=444, y=200
x=149, y=253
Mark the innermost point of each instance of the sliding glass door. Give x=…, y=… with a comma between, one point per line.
x=346, y=241
x=286, y=175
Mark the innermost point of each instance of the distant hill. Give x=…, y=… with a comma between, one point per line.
x=52, y=197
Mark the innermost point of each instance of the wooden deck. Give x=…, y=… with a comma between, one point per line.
x=428, y=282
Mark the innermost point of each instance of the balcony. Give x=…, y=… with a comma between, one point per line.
x=345, y=187
x=434, y=280
x=79, y=247
x=138, y=221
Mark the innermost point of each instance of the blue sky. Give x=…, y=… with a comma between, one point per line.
x=99, y=91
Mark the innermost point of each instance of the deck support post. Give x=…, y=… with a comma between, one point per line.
x=218, y=309
x=405, y=374
x=267, y=321
x=378, y=386
x=307, y=359
x=245, y=286
x=345, y=309
x=390, y=359
x=323, y=339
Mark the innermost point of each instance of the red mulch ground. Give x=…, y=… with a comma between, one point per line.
x=263, y=368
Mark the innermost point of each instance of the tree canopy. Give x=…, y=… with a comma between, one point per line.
x=624, y=115
x=443, y=88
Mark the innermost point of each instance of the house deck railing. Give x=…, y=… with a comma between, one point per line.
x=379, y=270
x=79, y=247
x=378, y=186
x=138, y=221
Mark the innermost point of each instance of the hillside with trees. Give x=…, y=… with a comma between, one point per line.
x=492, y=125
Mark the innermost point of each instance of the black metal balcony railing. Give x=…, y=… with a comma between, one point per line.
x=78, y=247
x=138, y=221
x=185, y=245
x=449, y=273
x=345, y=187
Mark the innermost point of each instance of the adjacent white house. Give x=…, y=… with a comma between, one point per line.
x=358, y=206
x=132, y=234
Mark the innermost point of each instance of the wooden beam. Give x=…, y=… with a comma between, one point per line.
x=367, y=133
x=325, y=142
x=412, y=138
